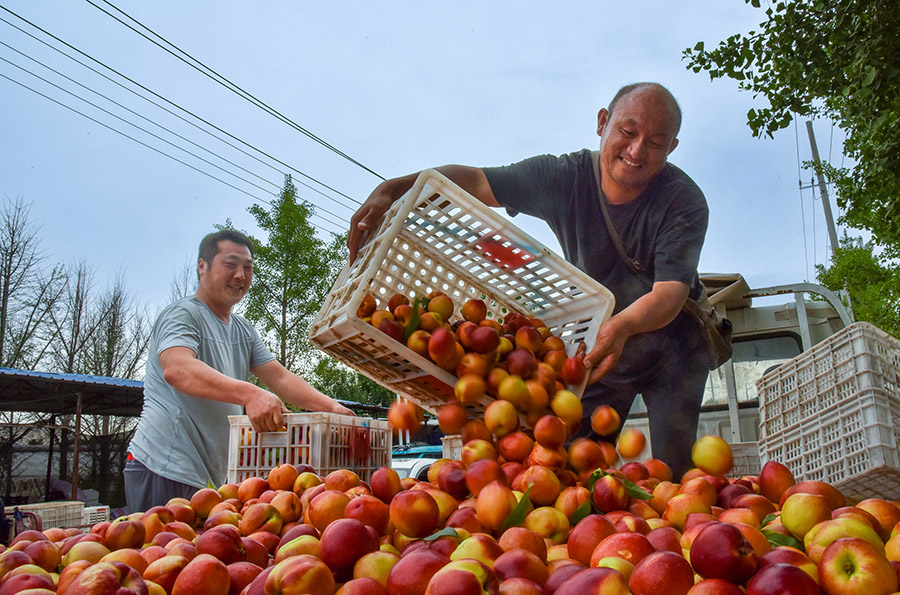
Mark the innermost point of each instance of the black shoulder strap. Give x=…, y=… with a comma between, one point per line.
x=632, y=263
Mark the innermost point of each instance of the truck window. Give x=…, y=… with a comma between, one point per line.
x=752, y=358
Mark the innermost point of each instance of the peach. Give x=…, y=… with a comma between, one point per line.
x=515, y=447
x=585, y=536
x=299, y=574
x=283, y=477
x=494, y=504
x=525, y=539
x=549, y=523
x=522, y=564
x=451, y=418
x=823, y=534
x=242, y=574
x=327, y=506
x=298, y=546
x=477, y=449
x=801, y=512
x=501, y=418
x=544, y=484
x=567, y=406
x=414, y=513
x=662, y=572
x=712, y=455
x=164, y=571
x=367, y=306
x=412, y=573
x=854, y=565
x=630, y=443
x=513, y=389
x=609, y=494
x=306, y=480
x=343, y=543
x=418, y=342
x=261, y=517
x=223, y=542
x=585, y=455
x=375, y=565
x=571, y=499
x=252, y=487
x=550, y=432
x=370, y=511
x=593, y=580
x=405, y=415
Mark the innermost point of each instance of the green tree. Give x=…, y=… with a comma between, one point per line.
x=838, y=59
x=874, y=288
x=335, y=379
x=293, y=272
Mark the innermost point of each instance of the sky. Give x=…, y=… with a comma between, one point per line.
x=397, y=86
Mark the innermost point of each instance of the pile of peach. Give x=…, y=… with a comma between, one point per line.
x=516, y=360
x=481, y=526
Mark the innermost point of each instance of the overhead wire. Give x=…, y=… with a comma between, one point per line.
x=152, y=148
x=176, y=106
x=276, y=186
x=222, y=80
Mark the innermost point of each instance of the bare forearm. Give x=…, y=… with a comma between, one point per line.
x=653, y=310
x=195, y=378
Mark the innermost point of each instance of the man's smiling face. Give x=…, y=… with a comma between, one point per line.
x=637, y=138
x=227, y=278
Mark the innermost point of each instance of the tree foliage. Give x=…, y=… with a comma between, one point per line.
x=335, y=379
x=293, y=272
x=838, y=59
x=873, y=288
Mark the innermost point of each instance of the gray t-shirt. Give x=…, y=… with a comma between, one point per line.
x=185, y=438
x=663, y=229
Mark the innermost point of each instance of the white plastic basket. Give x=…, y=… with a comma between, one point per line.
x=856, y=358
x=746, y=459
x=438, y=237
x=56, y=514
x=327, y=441
x=94, y=514
x=452, y=447
x=851, y=444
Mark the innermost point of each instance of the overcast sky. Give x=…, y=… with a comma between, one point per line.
x=398, y=86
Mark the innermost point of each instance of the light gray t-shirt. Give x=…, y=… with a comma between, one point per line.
x=185, y=438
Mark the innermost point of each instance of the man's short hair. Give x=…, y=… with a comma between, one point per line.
x=209, y=245
x=627, y=89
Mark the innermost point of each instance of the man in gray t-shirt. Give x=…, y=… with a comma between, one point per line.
x=200, y=357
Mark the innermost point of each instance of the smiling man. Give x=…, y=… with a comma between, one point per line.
x=200, y=357
x=648, y=346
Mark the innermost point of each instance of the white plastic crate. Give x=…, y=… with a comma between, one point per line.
x=327, y=441
x=746, y=459
x=856, y=358
x=851, y=444
x=438, y=237
x=94, y=514
x=56, y=514
x=452, y=447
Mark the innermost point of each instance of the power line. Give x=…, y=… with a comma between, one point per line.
x=215, y=76
x=147, y=131
x=173, y=104
x=152, y=148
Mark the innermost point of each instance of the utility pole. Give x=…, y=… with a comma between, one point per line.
x=823, y=190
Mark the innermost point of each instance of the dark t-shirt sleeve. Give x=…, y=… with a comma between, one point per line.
x=523, y=187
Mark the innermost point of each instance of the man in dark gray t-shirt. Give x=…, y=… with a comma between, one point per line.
x=648, y=346
x=201, y=354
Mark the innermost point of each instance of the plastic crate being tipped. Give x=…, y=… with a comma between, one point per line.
x=327, y=441
x=439, y=237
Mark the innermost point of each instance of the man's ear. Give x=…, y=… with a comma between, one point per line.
x=673, y=145
x=201, y=266
x=602, y=119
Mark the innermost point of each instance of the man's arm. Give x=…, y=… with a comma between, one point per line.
x=187, y=374
x=650, y=312
x=296, y=391
x=470, y=179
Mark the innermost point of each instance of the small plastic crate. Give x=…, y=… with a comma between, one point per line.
x=94, y=514
x=746, y=459
x=327, y=441
x=851, y=444
x=856, y=358
x=56, y=514
x=439, y=237
x=452, y=446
